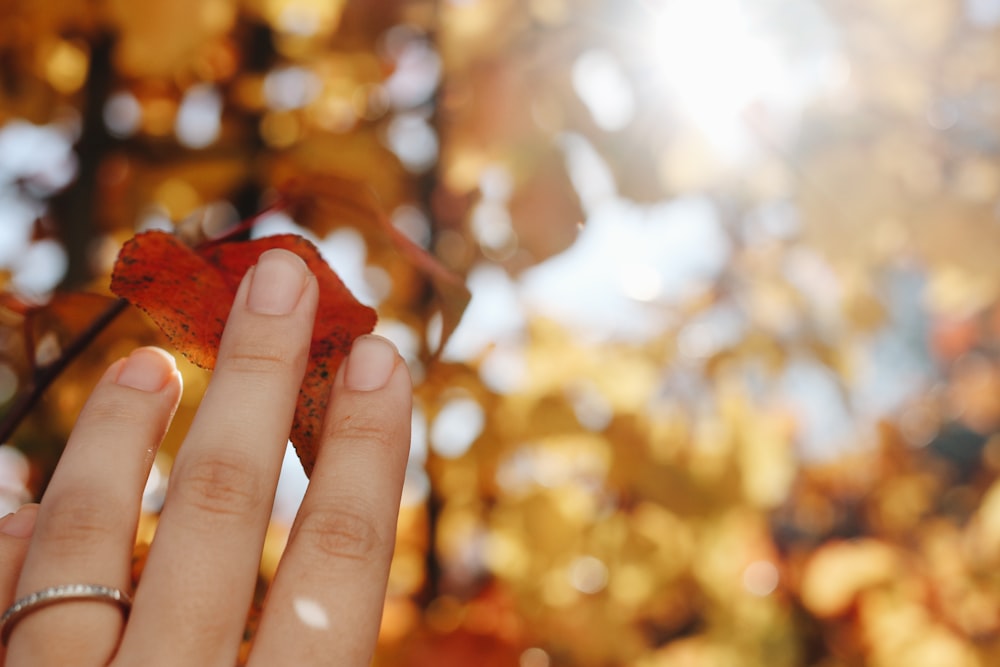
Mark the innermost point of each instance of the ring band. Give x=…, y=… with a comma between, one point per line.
x=55, y=594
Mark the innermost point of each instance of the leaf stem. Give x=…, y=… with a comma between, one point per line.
x=46, y=375
x=245, y=225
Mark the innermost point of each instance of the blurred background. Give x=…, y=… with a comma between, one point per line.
x=727, y=392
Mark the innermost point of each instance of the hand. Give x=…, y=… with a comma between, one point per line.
x=191, y=605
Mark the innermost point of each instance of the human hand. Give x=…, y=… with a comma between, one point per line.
x=191, y=604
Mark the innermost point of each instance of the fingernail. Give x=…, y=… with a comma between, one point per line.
x=370, y=363
x=19, y=524
x=277, y=283
x=147, y=369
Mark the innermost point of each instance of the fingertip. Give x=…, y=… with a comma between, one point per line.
x=370, y=363
x=148, y=369
x=20, y=523
x=277, y=282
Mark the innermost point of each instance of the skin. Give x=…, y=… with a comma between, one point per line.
x=190, y=608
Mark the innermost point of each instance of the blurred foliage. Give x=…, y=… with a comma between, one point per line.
x=774, y=437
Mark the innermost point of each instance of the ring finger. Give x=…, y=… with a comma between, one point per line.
x=15, y=531
x=85, y=528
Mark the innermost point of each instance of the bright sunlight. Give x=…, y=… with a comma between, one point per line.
x=721, y=60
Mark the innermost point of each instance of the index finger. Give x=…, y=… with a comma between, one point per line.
x=197, y=585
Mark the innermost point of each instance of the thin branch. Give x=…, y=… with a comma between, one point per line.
x=230, y=234
x=46, y=375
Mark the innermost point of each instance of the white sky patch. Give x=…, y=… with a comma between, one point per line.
x=17, y=215
x=122, y=114
x=418, y=436
x=42, y=152
x=895, y=363
x=292, y=483
x=287, y=88
x=504, y=368
x=627, y=261
x=345, y=250
x=603, y=87
x=275, y=223
x=591, y=177
x=825, y=426
x=417, y=73
x=199, y=118
x=40, y=268
x=456, y=427
x=492, y=225
x=710, y=54
x=413, y=141
x=14, y=472
x=983, y=13
x=494, y=314
x=403, y=336
x=155, y=491
x=721, y=58
x=416, y=487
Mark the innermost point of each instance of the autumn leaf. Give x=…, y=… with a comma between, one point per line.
x=188, y=294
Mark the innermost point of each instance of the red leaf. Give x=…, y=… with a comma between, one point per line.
x=188, y=294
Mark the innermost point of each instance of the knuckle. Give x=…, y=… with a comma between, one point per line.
x=116, y=409
x=256, y=359
x=358, y=430
x=220, y=483
x=339, y=533
x=77, y=521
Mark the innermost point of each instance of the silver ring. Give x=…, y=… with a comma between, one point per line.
x=54, y=594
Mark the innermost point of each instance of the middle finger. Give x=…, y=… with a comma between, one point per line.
x=199, y=578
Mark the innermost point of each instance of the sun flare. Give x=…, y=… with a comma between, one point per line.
x=718, y=60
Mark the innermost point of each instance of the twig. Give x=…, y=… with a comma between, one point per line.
x=245, y=225
x=46, y=375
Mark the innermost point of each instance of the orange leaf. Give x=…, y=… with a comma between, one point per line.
x=188, y=294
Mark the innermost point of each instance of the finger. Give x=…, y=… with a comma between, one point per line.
x=326, y=601
x=15, y=531
x=200, y=573
x=85, y=528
